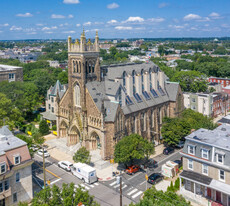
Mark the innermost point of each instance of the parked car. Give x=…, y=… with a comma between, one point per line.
x=66, y=165
x=155, y=178
x=180, y=144
x=178, y=162
x=132, y=169
x=34, y=147
x=168, y=150
x=46, y=153
x=151, y=164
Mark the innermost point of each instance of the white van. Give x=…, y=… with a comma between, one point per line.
x=84, y=172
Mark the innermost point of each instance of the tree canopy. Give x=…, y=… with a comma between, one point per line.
x=175, y=129
x=82, y=155
x=68, y=196
x=132, y=147
x=153, y=197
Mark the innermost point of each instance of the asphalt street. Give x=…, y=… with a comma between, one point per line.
x=107, y=192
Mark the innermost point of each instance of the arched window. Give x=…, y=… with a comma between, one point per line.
x=89, y=67
x=74, y=66
x=77, y=95
x=133, y=76
x=77, y=67
x=92, y=68
x=150, y=77
x=124, y=79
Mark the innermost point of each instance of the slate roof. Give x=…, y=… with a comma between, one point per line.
x=48, y=115
x=8, y=68
x=172, y=89
x=220, y=137
x=8, y=141
x=58, y=87
x=203, y=179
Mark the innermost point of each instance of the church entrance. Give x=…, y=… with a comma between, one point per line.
x=63, y=129
x=96, y=142
x=74, y=136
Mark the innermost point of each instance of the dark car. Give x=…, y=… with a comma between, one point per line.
x=155, y=178
x=178, y=162
x=180, y=144
x=168, y=150
x=151, y=164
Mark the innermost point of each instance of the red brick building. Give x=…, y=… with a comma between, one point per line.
x=223, y=81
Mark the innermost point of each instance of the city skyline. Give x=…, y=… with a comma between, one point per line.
x=57, y=19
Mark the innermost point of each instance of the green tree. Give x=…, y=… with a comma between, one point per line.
x=153, y=197
x=43, y=127
x=82, y=155
x=68, y=195
x=63, y=77
x=132, y=147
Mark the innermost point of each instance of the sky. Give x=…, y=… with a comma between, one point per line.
x=58, y=19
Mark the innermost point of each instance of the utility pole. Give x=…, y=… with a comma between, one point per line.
x=44, y=170
x=120, y=191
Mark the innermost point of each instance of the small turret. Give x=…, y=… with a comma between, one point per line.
x=69, y=43
x=83, y=41
x=97, y=42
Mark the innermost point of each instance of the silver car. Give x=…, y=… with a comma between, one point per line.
x=46, y=153
x=66, y=165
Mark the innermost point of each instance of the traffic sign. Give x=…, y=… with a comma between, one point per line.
x=146, y=177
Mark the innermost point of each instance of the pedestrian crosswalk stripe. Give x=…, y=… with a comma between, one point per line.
x=90, y=185
x=118, y=185
x=124, y=187
x=113, y=183
x=96, y=183
x=132, y=191
x=85, y=186
x=137, y=194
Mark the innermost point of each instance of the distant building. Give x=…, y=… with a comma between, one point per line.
x=206, y=166
x=54, y=64
x=11, y=73
x=223, y=81
x=51, y=104
x=212, y=104
x=16, y=170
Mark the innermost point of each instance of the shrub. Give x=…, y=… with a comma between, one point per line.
x=177, y=184
x=54, y=128
x=82, y=155
x=43, y=127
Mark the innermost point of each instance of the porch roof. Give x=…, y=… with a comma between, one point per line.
x=220, y=186
x=197, y=177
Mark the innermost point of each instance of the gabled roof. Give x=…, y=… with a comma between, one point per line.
x=58, y=88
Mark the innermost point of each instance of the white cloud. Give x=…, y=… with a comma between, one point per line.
x=49, y=32
x=112, y=6
x=65, y=24
x=176, y=27
x=214, y=15
x=225, y=26
x=123, y=27
x=70, y=16
x=204, y=19
x=68, y=32
x=162, y=5
x=39, y=24
x=32, y=33
x=190, y=17
x=87, y=23
x=6, y=24
x=157, y=20
x=49, y=28
x=134, y=19
x=71, y=1
x=57, y=16
x=25, y=15
x=113, y=21
x=15, y=28
x=78, y=25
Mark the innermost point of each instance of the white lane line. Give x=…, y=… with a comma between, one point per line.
x=132, y=191
x=143, y=182
x=84, y=186
x=96, y=183
x=55, y=181
x=90, y=185
x=117, y=186
x=112, y=183
x=129, y=189
x=137, y=194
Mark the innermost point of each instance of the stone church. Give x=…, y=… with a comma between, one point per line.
x=104, y=103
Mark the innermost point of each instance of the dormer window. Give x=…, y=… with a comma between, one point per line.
x=220, y=158
x=205, y=154
x=2, y=167
x=191, y=149
x=17, y=159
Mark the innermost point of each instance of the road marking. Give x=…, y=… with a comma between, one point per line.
x=124, y=187
x=90, y=185
x=134, y=176
x=137, y=194
x=84, y=186
x=143, y=182
x=132, y=191
x=96, y=183
x=55, y=181
x=129, y=189
x=117, y=186
x=113, y=183
x=46, y=160
x=47, y=170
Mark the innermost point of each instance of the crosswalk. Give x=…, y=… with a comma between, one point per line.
x=86, y=186
x=126, y=189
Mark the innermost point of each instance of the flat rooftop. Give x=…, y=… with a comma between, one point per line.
x=8, y=141
x=219, y=137
x=4, y=67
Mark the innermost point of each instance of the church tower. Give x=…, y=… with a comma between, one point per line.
x=84, y=66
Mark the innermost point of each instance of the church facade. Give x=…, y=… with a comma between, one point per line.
x=104, y=103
